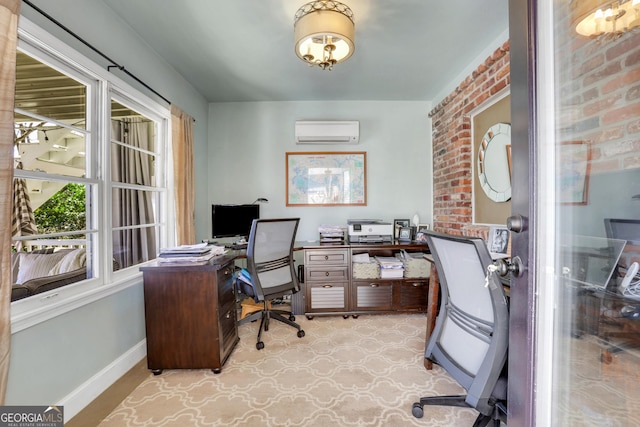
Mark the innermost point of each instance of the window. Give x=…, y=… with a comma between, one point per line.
x=89, y=177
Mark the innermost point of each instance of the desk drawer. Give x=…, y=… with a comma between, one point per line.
x=327, y=274
x=326, y=257
x=226, y=294
x=327, y=297
x=372, y=295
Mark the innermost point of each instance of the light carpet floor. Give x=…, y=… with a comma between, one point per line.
x=345, y=372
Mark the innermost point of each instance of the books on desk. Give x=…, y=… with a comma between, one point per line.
x=198, y=254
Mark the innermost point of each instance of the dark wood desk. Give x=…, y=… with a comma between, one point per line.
x=190, y=314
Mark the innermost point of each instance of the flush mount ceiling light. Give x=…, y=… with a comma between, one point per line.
x=594, y=18
x=324, y=33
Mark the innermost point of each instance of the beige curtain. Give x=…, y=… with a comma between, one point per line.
x=184, y=176
x=9, y=11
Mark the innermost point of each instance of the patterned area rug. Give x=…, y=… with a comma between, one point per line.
x=345, y=372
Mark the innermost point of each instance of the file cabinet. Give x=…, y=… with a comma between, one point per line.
x=331, y=288
x=190, y=315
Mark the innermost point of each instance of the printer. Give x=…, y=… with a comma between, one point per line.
x=369, y=231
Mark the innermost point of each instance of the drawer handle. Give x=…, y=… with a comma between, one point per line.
x=228, y=315
x=326, y=257
x=417, y=284
x=226, y=272
x=326, y=273
x=327, y=286
x=374, y=285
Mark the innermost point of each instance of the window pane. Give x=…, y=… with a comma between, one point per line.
x=50, y=120
x=134, y=246
x=133, y=209
x=48, y=207
x=46, y=92
x=51, y=149
x=45, y=264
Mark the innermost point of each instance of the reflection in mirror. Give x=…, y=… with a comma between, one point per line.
x=494, y=160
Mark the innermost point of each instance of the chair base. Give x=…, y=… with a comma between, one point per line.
x=497, y=416
x=265, y=315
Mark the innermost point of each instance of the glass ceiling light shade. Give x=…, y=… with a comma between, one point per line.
x=324, y=33
x=595, y=18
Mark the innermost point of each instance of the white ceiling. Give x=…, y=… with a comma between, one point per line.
x=242, y=50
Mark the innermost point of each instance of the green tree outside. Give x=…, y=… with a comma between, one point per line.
x=64, y=211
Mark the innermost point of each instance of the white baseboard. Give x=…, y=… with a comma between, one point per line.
x=78, y=399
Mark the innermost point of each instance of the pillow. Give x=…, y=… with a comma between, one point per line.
x=15, y=261
x=73, y=260
x=37, y=265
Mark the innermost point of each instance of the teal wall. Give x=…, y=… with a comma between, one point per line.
x=248, y=142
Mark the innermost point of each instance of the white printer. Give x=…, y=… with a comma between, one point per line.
x=369, y=231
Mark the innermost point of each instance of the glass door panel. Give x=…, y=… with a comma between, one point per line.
x=594, y=94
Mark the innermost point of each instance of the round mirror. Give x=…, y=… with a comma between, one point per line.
x=494, y=159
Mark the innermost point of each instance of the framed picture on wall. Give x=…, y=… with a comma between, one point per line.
x=573, y=172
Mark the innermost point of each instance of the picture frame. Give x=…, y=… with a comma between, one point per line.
x=420, y=233
x=574, y=164
x=498, y=240
x=404, y=234
x=326, y=178
x=397, y=225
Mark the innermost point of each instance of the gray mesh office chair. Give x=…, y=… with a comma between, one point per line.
x=471, y=335
x=270, y=266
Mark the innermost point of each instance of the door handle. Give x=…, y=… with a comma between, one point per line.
x=517, y=223
x=505, y=266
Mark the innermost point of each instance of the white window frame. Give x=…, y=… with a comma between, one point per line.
x=40, y=308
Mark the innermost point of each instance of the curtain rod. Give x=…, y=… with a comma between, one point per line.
x=109, y=67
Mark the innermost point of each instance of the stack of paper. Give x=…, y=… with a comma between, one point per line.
x=332, y=233
x=390, y=267
x=189, y=254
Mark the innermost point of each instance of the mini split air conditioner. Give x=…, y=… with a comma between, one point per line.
x=327, y=132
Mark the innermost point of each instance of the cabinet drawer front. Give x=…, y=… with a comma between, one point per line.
x=328, y=296
x=327, y=274
x=414, y=294
x=373, y=295
x=226, y=292
x=228, y=331
x=327, y=257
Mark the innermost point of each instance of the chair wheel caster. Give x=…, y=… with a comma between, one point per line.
x=345, y=316
x=292, y=318
x=259, y=345
x=300, y=333
x=309, y=317
x=417, y=410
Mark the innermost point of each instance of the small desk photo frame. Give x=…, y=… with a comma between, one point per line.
x=498, y=240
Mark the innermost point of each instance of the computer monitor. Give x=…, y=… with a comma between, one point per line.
x=623, y=229
x=233, y=220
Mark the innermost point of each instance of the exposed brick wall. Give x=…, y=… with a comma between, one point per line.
x=452, y=142
x=600, y=102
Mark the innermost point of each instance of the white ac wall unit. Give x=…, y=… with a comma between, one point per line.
x=327, y=132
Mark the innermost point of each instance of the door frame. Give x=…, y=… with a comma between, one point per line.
x=522, y=325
